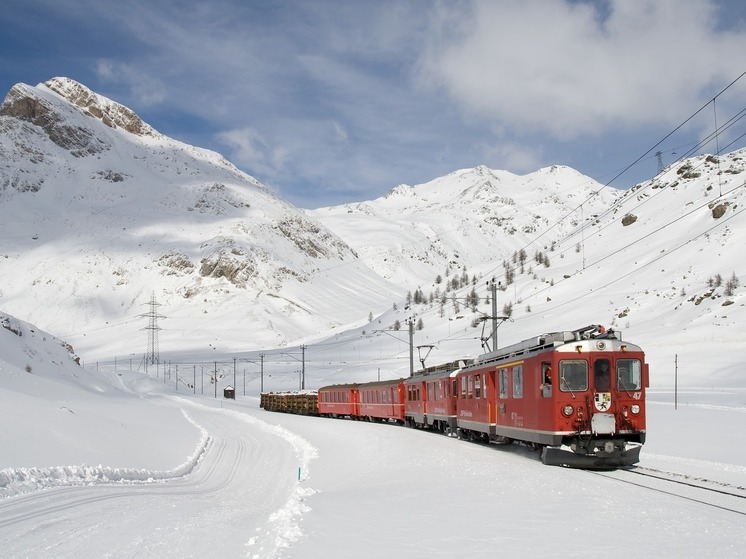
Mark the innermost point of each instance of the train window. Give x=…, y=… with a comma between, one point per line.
x=454, y=388
x=602, y=375
x=469, y=387
x=431, y=391
x=463, y=387
x=478, y=386
x=518, y=381
x=503, y=383
x=628, y=374
x=573, y=375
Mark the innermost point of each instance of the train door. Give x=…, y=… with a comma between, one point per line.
x=503, y=391
x=602, y=384
x=532, y=378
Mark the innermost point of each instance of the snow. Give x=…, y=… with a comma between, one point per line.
x=115, y=463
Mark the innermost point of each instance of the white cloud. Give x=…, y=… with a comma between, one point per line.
x=249, y=149
x=143, y=88
x=570, y=70
x=355, y=98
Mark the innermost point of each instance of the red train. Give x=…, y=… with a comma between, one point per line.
x=577, y=396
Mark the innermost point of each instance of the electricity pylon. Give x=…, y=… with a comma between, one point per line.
x=152, y=356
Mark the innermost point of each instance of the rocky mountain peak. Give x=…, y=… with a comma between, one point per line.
x=112, y=114
x=51, y=106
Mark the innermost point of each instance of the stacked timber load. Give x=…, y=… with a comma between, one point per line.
x=302, y=403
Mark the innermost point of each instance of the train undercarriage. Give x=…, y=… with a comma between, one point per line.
x=585, y=452
x=602, y=454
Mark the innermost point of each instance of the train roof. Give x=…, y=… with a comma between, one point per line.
x=551, y=340
x=449, y=367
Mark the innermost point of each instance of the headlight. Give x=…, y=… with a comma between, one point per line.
x=567, y=410
x=635, y=409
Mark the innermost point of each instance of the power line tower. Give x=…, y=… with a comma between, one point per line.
x=152, y=356
x=659, y=156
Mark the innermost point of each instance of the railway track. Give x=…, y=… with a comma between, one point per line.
x=726, y=496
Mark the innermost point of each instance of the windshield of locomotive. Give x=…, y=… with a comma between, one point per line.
x=573, y=375
x=629, y=374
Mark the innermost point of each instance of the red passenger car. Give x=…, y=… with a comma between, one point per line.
x=579, y=396
x=382, y=401
x=339, y=400
x=431, y=398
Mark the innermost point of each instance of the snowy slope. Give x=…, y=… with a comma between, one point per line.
x=469, y=218
x=97, y=216
x=104, y=463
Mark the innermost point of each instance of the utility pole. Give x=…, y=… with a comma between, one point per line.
x=303, y=367
x=493, y=286
x=261, y=373
x=496, y=320
x=411, y=346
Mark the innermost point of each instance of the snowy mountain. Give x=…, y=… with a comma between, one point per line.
x=99, y=211
x=469, y=218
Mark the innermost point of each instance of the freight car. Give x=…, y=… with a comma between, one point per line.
x=577, y=397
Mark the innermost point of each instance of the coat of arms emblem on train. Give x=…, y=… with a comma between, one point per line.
x=603, y=401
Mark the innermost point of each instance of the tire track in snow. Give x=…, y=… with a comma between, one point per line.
x=282, y=528
x=221, y=487
x=18, y=481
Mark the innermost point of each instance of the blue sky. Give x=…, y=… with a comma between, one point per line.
x=334, y=101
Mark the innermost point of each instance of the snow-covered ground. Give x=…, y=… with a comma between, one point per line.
x=104, y=463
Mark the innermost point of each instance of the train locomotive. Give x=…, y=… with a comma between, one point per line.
x=577, y=397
